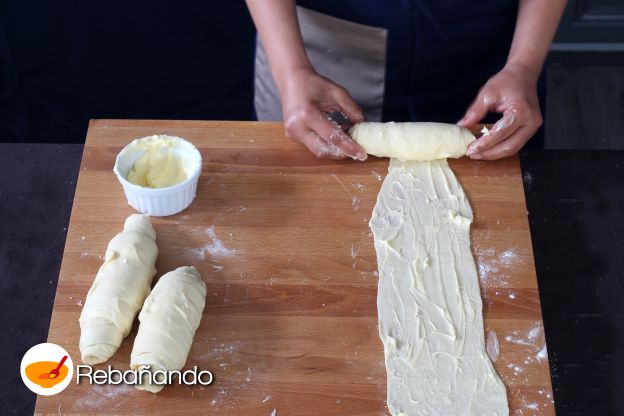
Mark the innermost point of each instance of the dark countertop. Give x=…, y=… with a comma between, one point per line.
x=576, y=212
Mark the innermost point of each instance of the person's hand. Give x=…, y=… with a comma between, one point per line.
x=306, y=99
x=512, y=92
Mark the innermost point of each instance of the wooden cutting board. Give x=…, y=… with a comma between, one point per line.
x=282, y=241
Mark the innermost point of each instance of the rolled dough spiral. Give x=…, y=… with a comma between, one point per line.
x=119, y=289
x=169, y=319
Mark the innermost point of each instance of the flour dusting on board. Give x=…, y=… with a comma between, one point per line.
x=104, y=396
x=534, y=353
x=542, y=354
x=355, y=200
x=228, y=358
x=354, y=254
x=528, y=338
x=216, y=248
x=494, y=269
x=360, y=187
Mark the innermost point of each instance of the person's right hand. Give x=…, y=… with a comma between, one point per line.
x=307, y=97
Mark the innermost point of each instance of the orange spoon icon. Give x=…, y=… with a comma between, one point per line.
x=54, y=373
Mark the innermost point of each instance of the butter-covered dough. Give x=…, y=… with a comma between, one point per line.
x=169, y=319
x=412, y=141
x=119, y=289
x=429, y=304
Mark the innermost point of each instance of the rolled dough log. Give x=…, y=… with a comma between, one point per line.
x=412, y=141
x=169, y=319
x=119, y=289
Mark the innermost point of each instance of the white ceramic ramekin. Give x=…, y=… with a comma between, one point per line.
x=160, y=202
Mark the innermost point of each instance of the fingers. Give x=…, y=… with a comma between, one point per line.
x=509, y=146
x=333, y=135
x=504, y=128
x=298, y=130
x=519, y=122
x=307, y=116
x=348, y=106
x=514, y=95
x=319, y=147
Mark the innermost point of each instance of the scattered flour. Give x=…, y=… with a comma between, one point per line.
x=102, y=396
x=358, y=186
x=529, y=338
x=532, y=406
x=493, y=269
x=354, y=254
x=508, y=257
x=542, y=354
x=355, y=201
x=216, y=248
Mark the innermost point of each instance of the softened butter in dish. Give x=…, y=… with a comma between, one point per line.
x=159, y=166
x=159, y=174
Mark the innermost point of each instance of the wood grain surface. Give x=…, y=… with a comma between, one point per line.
x=282, y=242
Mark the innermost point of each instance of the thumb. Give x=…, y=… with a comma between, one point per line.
x=478, y=109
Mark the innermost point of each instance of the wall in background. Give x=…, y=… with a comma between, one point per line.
x=585, y=107
x=585, y=78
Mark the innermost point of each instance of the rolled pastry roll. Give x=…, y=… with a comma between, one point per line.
x=169, y=319
x=119, y=289
x=412, y=141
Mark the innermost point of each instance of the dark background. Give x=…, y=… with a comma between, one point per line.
x=63, y=62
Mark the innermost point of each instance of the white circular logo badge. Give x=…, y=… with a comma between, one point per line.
x=47, y=369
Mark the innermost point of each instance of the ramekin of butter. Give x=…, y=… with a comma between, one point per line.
x=159, y=174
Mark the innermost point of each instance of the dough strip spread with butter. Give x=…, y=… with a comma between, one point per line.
x=119, y=289
x=429, y=304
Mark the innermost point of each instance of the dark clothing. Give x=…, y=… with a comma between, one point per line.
x=439, y=53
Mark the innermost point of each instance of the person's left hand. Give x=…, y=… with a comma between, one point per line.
x=512, y=92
